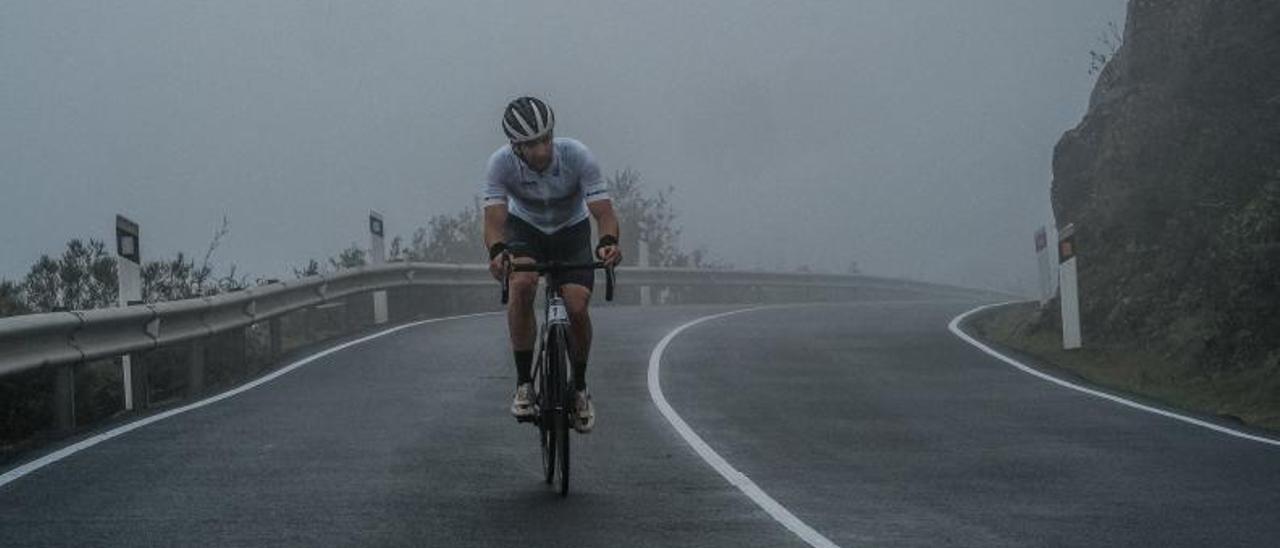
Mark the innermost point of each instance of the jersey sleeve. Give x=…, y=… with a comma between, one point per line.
x=593, y=184
x=495, y=192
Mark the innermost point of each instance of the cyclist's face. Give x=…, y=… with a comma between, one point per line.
x=536, y=153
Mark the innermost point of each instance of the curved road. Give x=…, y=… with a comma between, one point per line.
x=868, y=421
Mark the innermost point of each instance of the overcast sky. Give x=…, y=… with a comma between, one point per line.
x=914, y=137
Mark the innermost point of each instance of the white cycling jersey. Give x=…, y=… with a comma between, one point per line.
x=550, y=200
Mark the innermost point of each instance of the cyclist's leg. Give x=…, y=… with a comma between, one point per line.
x=576, y=301
x=573, y=245
x=525, y=245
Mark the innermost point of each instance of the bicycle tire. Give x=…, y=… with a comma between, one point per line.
x=565, y=412
x=546, y=433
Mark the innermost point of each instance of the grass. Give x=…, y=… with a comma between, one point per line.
x=1248, y=395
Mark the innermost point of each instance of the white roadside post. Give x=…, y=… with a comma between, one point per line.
x=645, y=299
x=129, y=281
x=1042, y=256
x=1067, y=286
x=377, y=256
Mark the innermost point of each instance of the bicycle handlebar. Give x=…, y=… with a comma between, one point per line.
x=553, y=267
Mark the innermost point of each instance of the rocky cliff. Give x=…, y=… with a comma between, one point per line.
x=1173, y=182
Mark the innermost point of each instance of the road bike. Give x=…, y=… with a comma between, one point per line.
x=553, y=395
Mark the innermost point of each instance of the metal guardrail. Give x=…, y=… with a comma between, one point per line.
x=61, y=340
x=39, y=340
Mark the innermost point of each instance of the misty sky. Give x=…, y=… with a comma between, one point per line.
x=914, y=137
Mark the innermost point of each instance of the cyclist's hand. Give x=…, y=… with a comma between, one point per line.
x=610, y=254
x=499, y=265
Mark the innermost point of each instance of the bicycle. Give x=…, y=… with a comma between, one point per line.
x=553, y=396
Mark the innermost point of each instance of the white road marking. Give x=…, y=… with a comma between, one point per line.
x=736, y=478
x=955, y=328
x=65, y=452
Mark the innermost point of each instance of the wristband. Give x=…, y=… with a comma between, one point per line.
x=606, y=240
x=496, y=249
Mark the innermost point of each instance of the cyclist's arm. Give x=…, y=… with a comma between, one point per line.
x=606, y=221
x=495, y=218
x=495, y=200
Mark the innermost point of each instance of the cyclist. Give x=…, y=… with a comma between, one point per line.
x=538, y=192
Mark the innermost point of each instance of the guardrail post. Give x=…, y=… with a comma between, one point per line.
x=242, y=350
x=276, y=337
x=309, y=323
x=64, y=396
x=138, y=383
x=195, y=369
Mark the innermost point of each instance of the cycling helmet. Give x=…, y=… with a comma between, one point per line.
x=527, y=119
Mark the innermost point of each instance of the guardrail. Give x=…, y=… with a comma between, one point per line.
x=220, y=328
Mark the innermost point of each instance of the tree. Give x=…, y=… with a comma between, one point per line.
x=397, y=252
x=83, y=278
x=350, y=257
x=1111, y=40
x=174, y=279
x=12, y=300
x=312, y=269
x=456, y=238
x=179, y=278
x=652, y=219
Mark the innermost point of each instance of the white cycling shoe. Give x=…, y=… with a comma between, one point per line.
x=521, y=405
x=586, y=413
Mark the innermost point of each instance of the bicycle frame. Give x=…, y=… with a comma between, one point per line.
x=551, y=372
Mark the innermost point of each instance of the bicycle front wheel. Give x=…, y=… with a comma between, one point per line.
x=546, y=421
x=562, y=431
x=565, y=410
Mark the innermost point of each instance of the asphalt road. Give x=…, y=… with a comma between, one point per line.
x=870, y=422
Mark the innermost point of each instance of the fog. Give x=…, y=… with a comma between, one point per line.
x=912, y=137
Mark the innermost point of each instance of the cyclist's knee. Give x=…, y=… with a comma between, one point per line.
x=523, y=285
x=576, y=299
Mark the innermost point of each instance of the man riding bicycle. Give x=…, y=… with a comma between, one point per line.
x=539, y=191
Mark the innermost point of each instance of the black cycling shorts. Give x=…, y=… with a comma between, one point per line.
x=571, y=244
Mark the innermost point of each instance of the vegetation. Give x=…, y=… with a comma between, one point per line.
x=1244, y=395
x=84, y=276
x=459, y=237
x=651, y=218
x=1110, y=41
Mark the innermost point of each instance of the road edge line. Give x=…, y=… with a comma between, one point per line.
x=954, y=326
x=29, y=467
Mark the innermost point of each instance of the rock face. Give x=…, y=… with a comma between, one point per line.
x=1173, y=182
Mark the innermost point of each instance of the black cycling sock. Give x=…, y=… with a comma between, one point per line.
x=524, y=362
x=580, y=376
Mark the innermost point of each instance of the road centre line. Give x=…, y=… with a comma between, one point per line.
x=731, y=474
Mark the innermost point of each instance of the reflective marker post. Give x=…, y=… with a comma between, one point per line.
x=1067, y=286
x=377, y=255
x=129, y=276
x=1046, y=275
